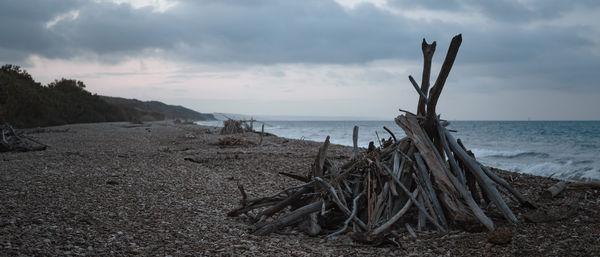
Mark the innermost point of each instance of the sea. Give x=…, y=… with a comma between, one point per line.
x=568, y=150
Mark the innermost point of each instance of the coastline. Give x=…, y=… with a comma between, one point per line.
x=118, y=188
x=562, y=150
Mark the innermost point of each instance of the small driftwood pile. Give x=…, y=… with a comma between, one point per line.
x=231, y=126
x=11, y=141
x=426, y=180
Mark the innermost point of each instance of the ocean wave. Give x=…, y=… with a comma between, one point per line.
x=508, y=154
x=567, y=171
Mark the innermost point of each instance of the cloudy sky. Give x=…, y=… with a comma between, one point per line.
x=520, y=59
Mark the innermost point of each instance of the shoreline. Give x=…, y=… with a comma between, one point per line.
x=516, y=148
x=119, y=188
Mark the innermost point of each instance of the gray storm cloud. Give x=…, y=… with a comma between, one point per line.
x=313, y=31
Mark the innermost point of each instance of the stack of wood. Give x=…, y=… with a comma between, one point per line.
x=231, y=126
x=426, y=180
x=11, y=140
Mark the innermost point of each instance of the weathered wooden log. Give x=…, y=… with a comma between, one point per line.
x=472, y=185
x=410, y=230
x=413, y=130
x=352, y=216
x=427, y=202
x=387, y=225
x=397, y=166
x=11, y=140
x=391, y=134
x=245, y=209
x=414, y=200
x=421, y=171
x=317, y=170
x=310, y=225
x=293, y=217
x=554, y=190
x=294, y=176
x=355, y=141
x=436, y=90
x=484, y=181
x=416, y=86
x=339, y=204
x=508, y=187
x=421, y=221
x=282, y=204
x=585, y=184
x=428, y=51
x=381, y=203
x=453, y=164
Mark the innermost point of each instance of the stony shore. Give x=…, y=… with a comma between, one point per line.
x=122, y=189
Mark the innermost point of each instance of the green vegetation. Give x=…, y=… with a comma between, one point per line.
x=26, y=103
x=170, y=111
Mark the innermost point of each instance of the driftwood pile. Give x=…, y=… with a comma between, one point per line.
x=426, y=180
x=13, y=141
x=231, y=126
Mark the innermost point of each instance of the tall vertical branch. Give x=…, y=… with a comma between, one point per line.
x=428, y=50
x=436, y=90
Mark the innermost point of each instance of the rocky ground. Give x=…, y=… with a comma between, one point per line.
x=164, y=189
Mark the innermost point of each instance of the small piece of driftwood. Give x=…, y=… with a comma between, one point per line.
x=13, y=141
x=554, y=190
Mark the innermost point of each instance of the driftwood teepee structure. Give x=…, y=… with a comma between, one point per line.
x=427, y=180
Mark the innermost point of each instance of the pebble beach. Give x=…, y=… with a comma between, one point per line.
x=160, y=189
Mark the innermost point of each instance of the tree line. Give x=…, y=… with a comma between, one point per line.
x=25, y=103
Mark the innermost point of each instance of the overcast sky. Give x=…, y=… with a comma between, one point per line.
x=521, y=59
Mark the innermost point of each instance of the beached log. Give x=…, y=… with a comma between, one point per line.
x=554, y=190
x=13, y=141
x=289, y=219
x=585, y=184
